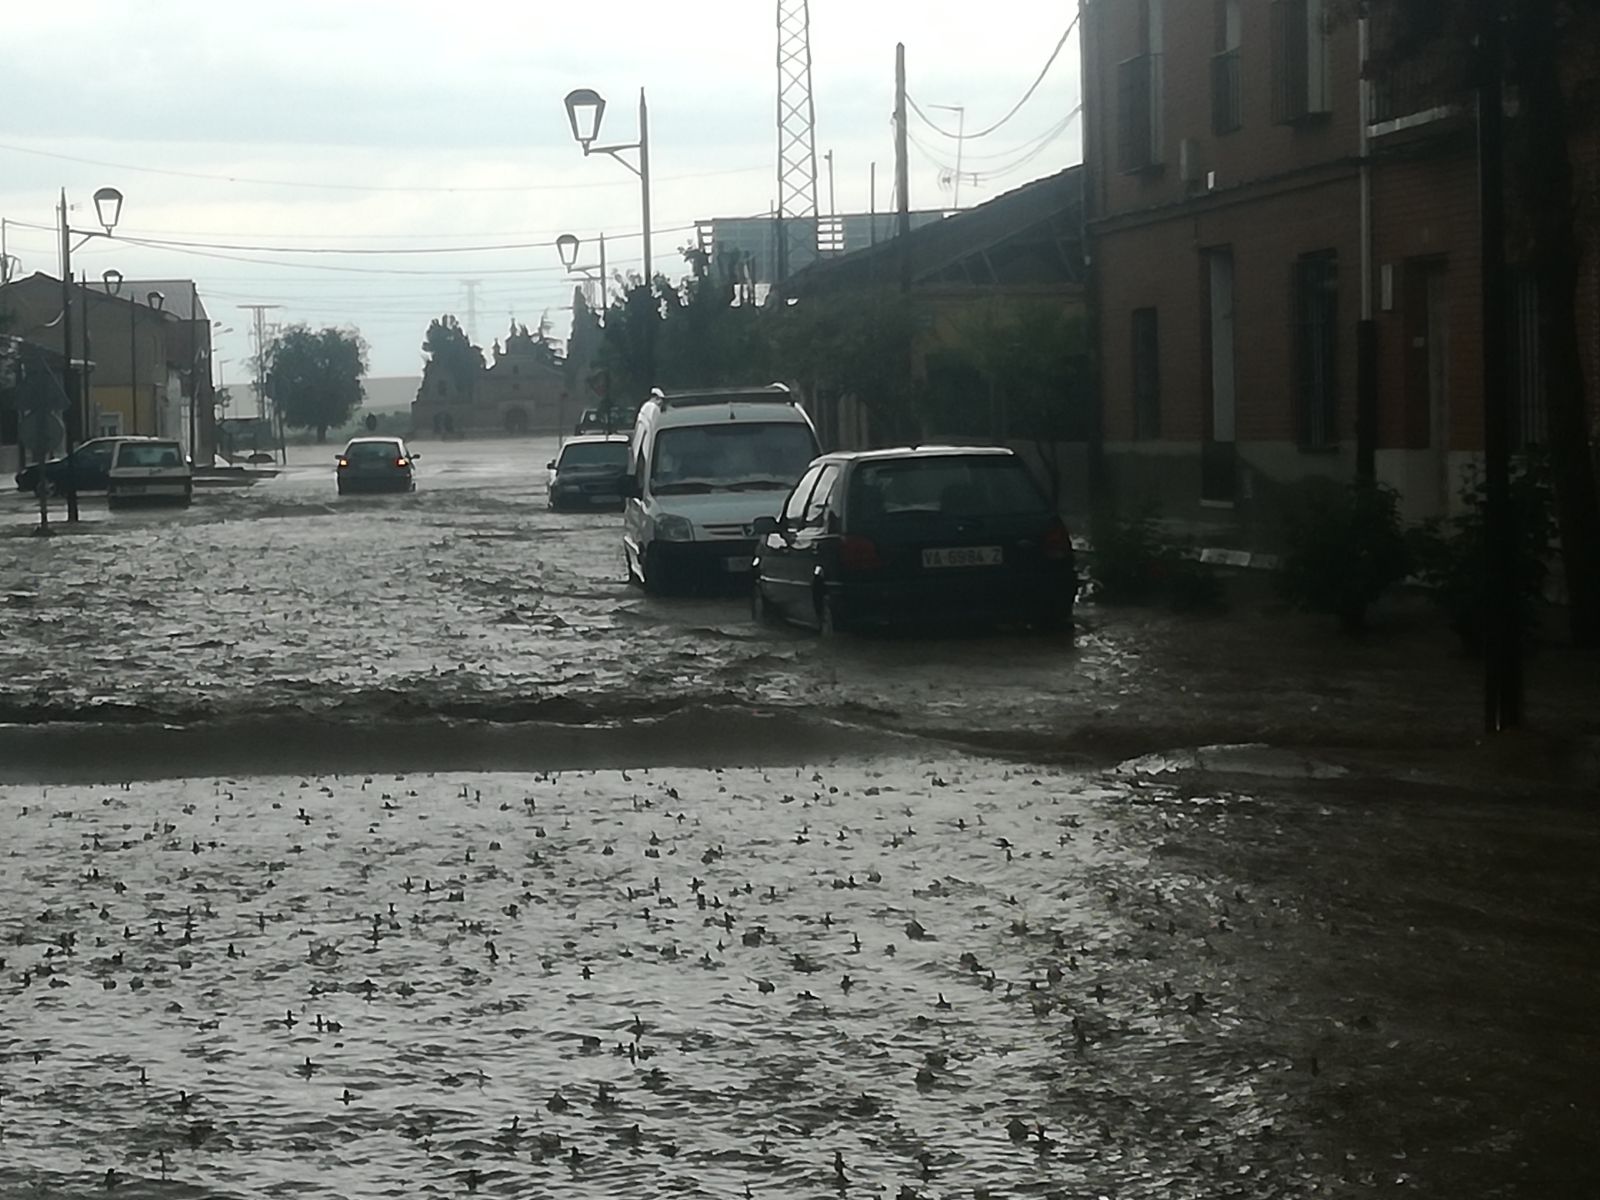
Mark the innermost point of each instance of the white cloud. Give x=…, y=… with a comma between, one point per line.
x=406, y=94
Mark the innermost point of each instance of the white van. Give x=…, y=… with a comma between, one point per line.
x=149, y=471
x=703, y=465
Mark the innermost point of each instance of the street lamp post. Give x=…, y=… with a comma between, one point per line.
x=567, y=247
x=108, y=210
x=586, y=108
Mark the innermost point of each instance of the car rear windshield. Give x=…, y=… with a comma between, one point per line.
x=372, y=451
x=595, y=454
x=149, y=454
x=946, y=486
x=733, y=456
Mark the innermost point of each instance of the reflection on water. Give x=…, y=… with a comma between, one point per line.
x=600, y=984
x=697, y=982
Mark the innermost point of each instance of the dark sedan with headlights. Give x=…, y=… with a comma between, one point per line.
x=588, y=472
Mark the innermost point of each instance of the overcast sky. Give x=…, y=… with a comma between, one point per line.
x=381, y=124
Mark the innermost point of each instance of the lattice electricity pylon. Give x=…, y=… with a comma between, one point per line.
x=797, y=140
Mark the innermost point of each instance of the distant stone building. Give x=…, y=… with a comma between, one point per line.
x=522, y=391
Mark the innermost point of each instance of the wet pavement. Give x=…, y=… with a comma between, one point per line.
x=470, y=601
x=285, y=758
x=1258, y=981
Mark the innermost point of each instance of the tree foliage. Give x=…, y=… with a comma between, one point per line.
x=315, y=376
x=451, y=352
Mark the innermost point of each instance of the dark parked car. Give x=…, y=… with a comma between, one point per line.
x=90, y=463
x=376, y=464
x=891, y=536
x=588, y=472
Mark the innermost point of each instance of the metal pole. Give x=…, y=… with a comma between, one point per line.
x=902, y=167
x=603, y=277
x=644, y=183
x=69, y=379
x=649, y=268
x=961, y=144
x=194, y=367
x=88, y=354
x=1502, y=679
x=133, y=365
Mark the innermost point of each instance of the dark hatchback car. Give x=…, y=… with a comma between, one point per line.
x=89, y=464
x=376, y=464
x=886, y=537
x=589, y=472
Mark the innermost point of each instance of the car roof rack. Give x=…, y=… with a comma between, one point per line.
x=772, y=393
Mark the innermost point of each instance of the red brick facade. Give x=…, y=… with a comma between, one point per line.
x=1254, y=144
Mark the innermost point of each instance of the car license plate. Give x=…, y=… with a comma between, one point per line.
x=130, y=488
x=963, y=556
x=736, y=564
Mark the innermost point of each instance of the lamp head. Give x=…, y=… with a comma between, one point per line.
x=586, y=108
x=113, y=281
x=567, y=248
x=156, y=300
x=108, y=207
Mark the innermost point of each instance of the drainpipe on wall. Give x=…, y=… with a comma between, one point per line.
x=1367, y=328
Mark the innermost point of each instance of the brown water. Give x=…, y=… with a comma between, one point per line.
x=1266, y=979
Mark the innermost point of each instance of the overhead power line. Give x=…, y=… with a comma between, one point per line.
x=359, y=187
x=1015, y=109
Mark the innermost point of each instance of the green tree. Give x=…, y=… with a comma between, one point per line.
x=315, y=376
x=854, y=345
x=1552, y=66
x=450, y=351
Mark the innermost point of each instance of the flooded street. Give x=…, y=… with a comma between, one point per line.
x=709, y=983
x=393, y=846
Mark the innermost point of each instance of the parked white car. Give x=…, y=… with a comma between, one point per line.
x=149, y=471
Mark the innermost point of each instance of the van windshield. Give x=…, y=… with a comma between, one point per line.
x=732, y=456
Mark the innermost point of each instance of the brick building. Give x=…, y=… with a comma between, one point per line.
x=521, y=392
x=1224, y=216
x=1255, y=209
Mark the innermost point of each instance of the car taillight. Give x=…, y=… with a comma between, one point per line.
x=859, y=554
x=1057, y=542
x=344, y=462
x=400, y=462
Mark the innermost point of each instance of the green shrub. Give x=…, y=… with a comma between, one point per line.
x=1190, y=585
x=1452, y=554
x=1132, y=564
x=1344, y=548
x=1127, y=562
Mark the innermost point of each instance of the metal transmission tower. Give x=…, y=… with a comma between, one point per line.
x=797, y=140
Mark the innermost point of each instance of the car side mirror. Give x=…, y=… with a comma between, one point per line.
x=551, y=465
x=764, y=526
x=414, y=457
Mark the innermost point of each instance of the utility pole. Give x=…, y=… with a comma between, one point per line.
x=260, y=333
x=472, y=286
x=902, y=168
x=1502, y=660
x=194, y=369
x=69, y=377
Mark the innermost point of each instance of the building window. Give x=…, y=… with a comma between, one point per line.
x=1139, y=96
x=1300, y=89
x=1316, y=343
x=1226, y=115
x=1146, y=374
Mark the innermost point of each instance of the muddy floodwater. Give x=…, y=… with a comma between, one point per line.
x=394, y=846
x=959, y=977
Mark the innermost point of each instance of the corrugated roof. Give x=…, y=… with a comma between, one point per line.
x=1054, y=201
